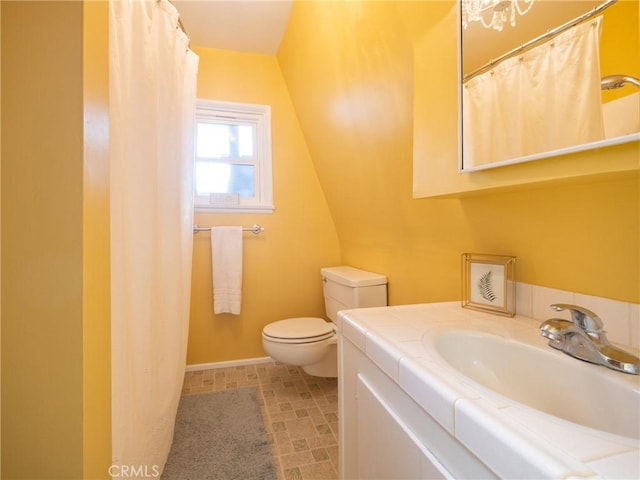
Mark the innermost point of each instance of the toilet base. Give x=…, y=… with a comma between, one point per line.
x=327, y=367
x=319, y=359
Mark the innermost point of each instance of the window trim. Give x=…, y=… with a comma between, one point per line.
x=260, y=116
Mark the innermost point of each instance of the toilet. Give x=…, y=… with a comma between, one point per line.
x=311, y=342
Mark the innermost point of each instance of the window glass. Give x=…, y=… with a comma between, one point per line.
x=233, y=157
x=225, y=178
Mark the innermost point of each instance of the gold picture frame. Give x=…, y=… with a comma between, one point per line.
x=488, y=283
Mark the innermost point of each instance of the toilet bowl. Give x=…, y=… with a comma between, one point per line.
x=308, y=342
x=311, y=342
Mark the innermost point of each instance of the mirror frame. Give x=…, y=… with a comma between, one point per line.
x=633, y=137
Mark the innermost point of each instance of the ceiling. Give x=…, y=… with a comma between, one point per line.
x=255, y=26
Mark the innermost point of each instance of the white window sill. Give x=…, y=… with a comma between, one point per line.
x=234, y=209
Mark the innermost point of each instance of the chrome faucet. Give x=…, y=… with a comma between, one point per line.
x=584, y=337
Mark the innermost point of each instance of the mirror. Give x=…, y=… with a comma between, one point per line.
x=514, y=108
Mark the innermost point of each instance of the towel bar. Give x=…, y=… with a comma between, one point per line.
x=255, y=229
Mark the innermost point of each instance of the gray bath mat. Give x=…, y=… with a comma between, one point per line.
x=220, y=436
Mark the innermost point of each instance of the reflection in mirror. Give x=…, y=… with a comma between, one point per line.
x=542, y=77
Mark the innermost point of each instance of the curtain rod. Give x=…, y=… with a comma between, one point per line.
x=180, y=24
x=549, y=34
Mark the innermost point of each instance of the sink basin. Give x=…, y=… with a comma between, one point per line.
x=544, y=379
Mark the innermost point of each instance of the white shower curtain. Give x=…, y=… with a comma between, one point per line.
x=542, y=100
x=152, y=106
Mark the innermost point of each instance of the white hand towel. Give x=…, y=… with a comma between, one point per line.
x=226, y=258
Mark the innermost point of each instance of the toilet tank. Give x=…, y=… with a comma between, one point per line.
x=348, y=287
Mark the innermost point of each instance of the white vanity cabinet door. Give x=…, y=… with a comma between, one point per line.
x=385, y=434
x=386, y=450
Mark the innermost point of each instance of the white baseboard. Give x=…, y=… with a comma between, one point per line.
x=227, y=364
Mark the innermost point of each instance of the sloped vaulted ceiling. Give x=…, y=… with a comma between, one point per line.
x=253, y=26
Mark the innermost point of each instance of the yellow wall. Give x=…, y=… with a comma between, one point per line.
x=281, y=275
x=42, y=156
x=55, y=256
x=0, y=241
x=96, y=325
x=620, y=45
x=374, y=86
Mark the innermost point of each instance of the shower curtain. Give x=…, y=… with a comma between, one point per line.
x=152, y=107
x=544, y=99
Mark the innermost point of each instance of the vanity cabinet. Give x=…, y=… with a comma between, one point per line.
x=384, y=434
x=406, y=411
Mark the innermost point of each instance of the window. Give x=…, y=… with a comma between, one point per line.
x=233, y=157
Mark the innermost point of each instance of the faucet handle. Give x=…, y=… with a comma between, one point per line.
x=582, y=317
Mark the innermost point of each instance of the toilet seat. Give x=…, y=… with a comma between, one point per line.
x=298, y=330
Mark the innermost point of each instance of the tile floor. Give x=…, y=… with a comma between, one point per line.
x=300, y=414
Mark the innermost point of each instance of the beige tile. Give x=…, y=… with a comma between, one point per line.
x=304, y=404
x=320, y=455
x=293, y=474
x=323, y=429
x=300, y=445
x=281, y=443
x=278, y=426
x=316, y=415
x=285, y=407
x=192, y=379
x=300, y=413
x=322, y=441
x=300, y=428
x=296, y=459
x=328, y=408
x=331, y=417
x=333, y=455
x=283, y=416
x=287, y=395
x=318, y=471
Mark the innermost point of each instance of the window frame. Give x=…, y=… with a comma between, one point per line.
x=214, y=111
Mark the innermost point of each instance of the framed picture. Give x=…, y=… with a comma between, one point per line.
x=488, y=283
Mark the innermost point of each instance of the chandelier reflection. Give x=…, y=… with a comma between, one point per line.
x=493, y=13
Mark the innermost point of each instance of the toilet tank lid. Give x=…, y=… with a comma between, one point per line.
x=353, y=277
